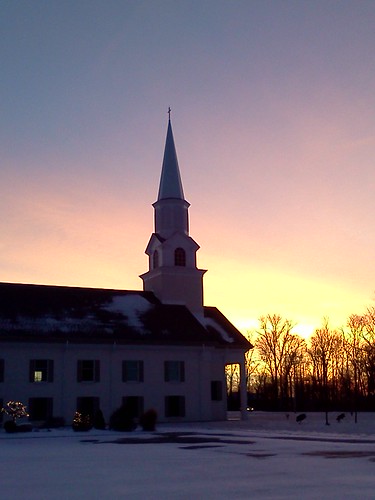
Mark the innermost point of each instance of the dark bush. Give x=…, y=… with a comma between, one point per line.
x=148, y=420
x=122, y=420
x=99, y=422
x=10, y=426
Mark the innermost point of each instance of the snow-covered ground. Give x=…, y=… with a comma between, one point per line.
x=267, y=456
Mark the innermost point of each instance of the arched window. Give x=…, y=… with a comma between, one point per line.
x=180, y=257
x=155, y=260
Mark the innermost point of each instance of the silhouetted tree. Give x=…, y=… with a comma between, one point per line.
x=232, y=373
x=294, y=358
x=368, y=336
x=276, y=347
x=252, y=363
x=353, y=340
x=324, y=344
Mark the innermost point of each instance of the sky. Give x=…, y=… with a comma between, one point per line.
x=273, y=114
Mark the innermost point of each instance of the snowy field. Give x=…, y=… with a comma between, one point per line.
x=267, y=456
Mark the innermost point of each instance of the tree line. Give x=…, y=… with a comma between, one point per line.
x=334, y=370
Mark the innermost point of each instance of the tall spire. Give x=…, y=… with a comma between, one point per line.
x=173, y=275
x=170, y=180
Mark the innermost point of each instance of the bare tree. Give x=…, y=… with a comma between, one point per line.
x=232, y=373
x=324, y=345
x=294, y=358
x=251, y=362
x=353, y=345
x=277, y=346
x=368, y=336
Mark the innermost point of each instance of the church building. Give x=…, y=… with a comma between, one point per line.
x=66, y=349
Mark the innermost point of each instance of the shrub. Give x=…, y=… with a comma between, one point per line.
x=122, y=420
x=81, y=422
x=15, y=410
x=10, y=426
x=148, y=420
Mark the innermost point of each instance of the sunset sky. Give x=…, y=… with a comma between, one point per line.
x=273, y=114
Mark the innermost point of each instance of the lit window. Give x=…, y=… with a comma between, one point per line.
x=180, y=257
x=41, y=370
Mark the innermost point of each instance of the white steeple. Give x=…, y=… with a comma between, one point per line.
x=173, y=274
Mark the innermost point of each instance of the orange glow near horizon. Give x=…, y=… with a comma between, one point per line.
x=245, y=293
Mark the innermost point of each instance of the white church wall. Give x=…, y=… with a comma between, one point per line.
x=202, y=365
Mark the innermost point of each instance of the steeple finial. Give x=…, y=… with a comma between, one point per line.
x=169, y=114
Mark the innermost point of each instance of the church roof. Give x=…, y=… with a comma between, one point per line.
x=170, y=181
x=47, y=313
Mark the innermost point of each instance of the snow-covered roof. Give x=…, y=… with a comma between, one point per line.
x=58, y=314
x=215, y=321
